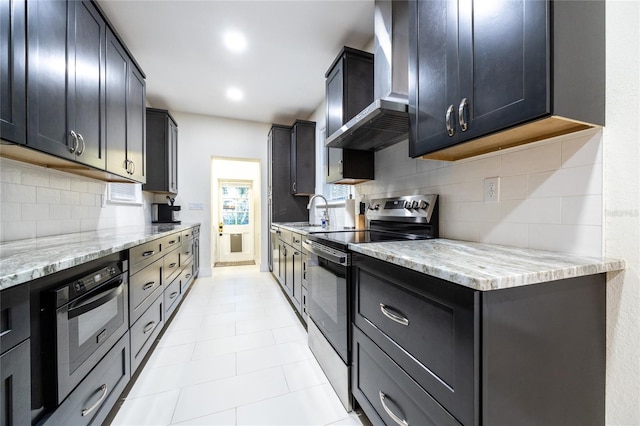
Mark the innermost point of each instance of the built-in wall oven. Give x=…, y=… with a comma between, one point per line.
x=77, y=322
x=329, y=277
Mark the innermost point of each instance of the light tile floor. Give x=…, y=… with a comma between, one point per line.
x=235, y=354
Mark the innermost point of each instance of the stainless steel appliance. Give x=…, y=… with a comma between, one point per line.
x=80, y=321
x=329, y=271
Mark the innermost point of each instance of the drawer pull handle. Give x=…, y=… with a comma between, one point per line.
x=172, y=242
x=148, y=253
x=148, y=285
x=395, y=418
x=393, y=316
x=147, y=328
x=187, y=253
x=173, y=295
x=172, y=265
x=187, y=276
x=105, y=389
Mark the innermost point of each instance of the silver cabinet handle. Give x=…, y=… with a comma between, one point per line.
x=173, y=295
x=462, y=114
x=340, y=167
x=172, y=265
x=451, y=130
x=105, y=389
x=82, y=144
x=74, y=135
x=133, y=168
x=398, y=420
x=294, y=186
x=148, y=285
x=148, y=253
x=393, y=316
x=147, y=328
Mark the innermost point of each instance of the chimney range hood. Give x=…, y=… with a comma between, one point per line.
x=386, y=120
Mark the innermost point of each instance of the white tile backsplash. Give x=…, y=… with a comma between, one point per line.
x=550, y=192
x=38, y=202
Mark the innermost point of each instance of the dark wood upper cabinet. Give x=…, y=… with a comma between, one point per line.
x=13, y=50
x=162, y=152
x=303, y=158
x=349, y=89
x=284, y=206
x=480, y=71
x=65, y=80
x=125, y=113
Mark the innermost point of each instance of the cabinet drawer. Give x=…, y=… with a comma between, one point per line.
x=186, y=277
x=14, y=316
x=385, y=391
x=144, y=254
x=144, y=287
x=171, y=265
x=98, y=392
x=188, y=234
x=171, y=242
x=144, y=331
x=172, y=297
x=186, y=251
x=426, y=325
x=296, y=241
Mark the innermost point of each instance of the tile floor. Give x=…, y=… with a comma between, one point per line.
x=234, y=354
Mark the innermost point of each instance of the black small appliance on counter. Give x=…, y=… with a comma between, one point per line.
x=165, y=213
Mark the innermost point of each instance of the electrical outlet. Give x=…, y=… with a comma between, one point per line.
x=492, y=190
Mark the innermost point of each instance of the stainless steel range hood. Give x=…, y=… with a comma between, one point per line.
x=386, y=120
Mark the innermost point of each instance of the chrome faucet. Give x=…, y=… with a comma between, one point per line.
x=326, y=206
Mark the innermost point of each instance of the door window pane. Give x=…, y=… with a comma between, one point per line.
x=235, y=204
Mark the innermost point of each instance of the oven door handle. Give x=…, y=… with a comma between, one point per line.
x=85, y=304
x=337, y=257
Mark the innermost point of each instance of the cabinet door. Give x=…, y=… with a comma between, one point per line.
x=47, y=78
x=288, y=269
x=284, y=206
x=13, y=102
x=504, y=65
x=136, y=125
x=303, y=158
x=334, y=96
x=433, y=75
x=65, y=80
x=173, y=157
x=297, y=278
x=15, y=386
x=87, y=34
x=117, y=67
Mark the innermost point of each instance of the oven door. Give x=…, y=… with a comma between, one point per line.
x=328, y=295
x=86, y=329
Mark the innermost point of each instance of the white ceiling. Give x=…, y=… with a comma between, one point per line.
x=291, y=44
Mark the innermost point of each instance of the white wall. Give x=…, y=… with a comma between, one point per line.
x=39, y=202
x=621, y=213
x=199, y=139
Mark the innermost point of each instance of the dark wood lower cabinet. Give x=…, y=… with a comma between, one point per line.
x=446, y=354
x=15, y=386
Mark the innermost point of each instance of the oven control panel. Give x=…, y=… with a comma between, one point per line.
x=415, y=208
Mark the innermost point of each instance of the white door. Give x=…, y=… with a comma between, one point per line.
x=236, y=213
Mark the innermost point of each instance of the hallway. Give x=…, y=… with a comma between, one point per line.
x=234, y=354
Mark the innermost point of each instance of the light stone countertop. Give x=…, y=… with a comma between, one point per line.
x=25, y=260
x=485, y=266
x=305, y=228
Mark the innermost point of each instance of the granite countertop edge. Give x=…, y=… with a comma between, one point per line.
x=25, y=260
x=486, y=267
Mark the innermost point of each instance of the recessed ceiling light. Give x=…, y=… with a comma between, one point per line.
x=235, y=41
x=234, y=94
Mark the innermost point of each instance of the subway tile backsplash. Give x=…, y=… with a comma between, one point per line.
x=39, y=202
x=550, y=193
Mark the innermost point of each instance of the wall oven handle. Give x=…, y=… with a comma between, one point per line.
x=85, y=304
x=395, y=418
x=335, y=257
x=393, y=315
x=105, y=389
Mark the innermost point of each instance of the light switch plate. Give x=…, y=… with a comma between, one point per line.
x=196, y=206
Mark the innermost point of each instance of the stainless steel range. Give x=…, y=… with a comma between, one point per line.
x=408, y=217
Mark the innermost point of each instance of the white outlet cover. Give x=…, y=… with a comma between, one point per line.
x=196, y=206
x=492, y=190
